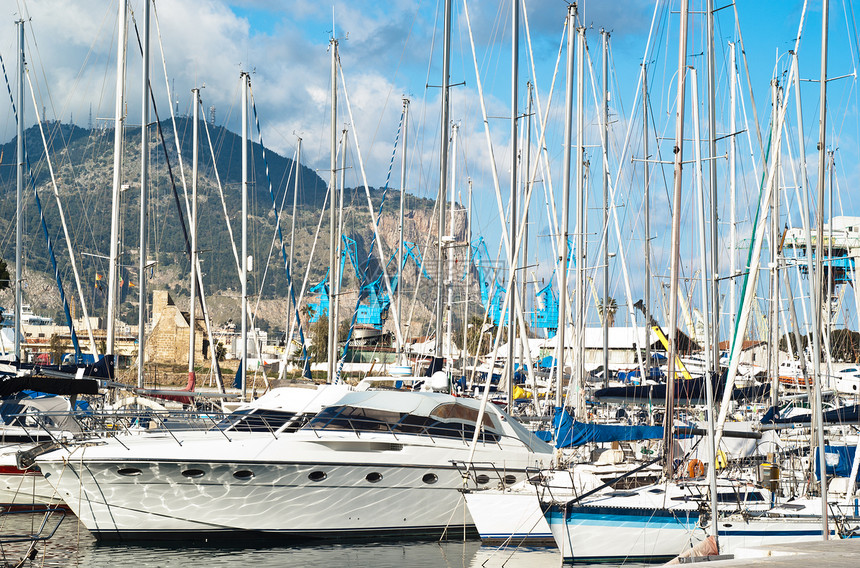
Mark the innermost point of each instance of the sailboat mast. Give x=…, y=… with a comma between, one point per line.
x=298, y=169
x=449, y=308
x=194, y=159
x=647, y=199
x=465, y=353
x=526, y=153
x=819, y=275
x=332, y=242
x=443, y=173
x=400, y=224
x=733, y=156
x=668, y=438
x=565, y=210
x=714, y=214
x=773, y=281
x=334, y=300
x=244, y=362
x=709, y=339
x=605, y=161
x=512, y=204
x=19, y=196
x=144, y=202
x=119, y=119
x=581, y=253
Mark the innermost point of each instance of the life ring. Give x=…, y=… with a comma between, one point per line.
x=722, y=460
x=695, y=468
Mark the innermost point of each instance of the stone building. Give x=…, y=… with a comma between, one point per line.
x=167, y=341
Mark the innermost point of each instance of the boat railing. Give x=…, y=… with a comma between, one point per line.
x=543, y=481
x=479, y=474
x=114, y=423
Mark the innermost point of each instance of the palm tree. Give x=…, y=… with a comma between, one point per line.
x=610, y=308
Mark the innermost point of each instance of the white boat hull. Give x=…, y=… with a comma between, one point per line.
x=365, y=488
x=509, y=518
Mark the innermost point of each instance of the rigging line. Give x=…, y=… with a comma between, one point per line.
x=172, y=118
x=374, y=221
x=32, y=183
x=313, y=249
x=363, y=278
x=803, y=221
x=394, y=76
x=67, y=239
x=202, y=297
x=543, y=159
x=223, y=201
x=77, y=80
x=509, y=246
x=622, y=159
x=307, y=367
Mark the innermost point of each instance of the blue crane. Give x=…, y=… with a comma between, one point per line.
x=375, y=301
x=545, y=314
x=320, y=307
x=487, y=281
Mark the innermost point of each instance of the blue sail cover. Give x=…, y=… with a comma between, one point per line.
x=570, y=433
x=838, y=460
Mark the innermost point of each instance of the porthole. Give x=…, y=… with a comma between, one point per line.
x=317, y=475
x=430, y=478
x=128, y=471
x=243, y=475
x=510, y=479
x=193, y=473
x=483, y=479
x=373, y=477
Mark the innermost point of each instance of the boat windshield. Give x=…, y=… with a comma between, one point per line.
x=449, y=420
x=260, y=420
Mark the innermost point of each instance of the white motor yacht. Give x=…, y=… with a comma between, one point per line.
x=373, y=464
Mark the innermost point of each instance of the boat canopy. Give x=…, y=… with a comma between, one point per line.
x=837, y=459
x=570, y=432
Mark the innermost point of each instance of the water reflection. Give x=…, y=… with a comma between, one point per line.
x=72, y=545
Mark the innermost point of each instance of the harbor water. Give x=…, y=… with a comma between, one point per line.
x=73, y=546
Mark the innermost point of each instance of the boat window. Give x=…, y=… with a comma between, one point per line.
x=430, y=478
x=357, y=419
x=621, y=494
x=10, y=411
x=243, y=475
x=257, y=420
x=373, y=477
x=452, y=410
x=193, y=473
x=317, y=475
x=128, y=471
x=752, y=496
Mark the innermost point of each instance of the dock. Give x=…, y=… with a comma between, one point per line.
x=831, y=553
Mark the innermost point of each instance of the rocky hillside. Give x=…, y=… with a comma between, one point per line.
x=83, y=163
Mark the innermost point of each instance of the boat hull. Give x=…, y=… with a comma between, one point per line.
x=617, y=534
x=349, y=489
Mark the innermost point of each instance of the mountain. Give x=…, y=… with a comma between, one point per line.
x=83, y=163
